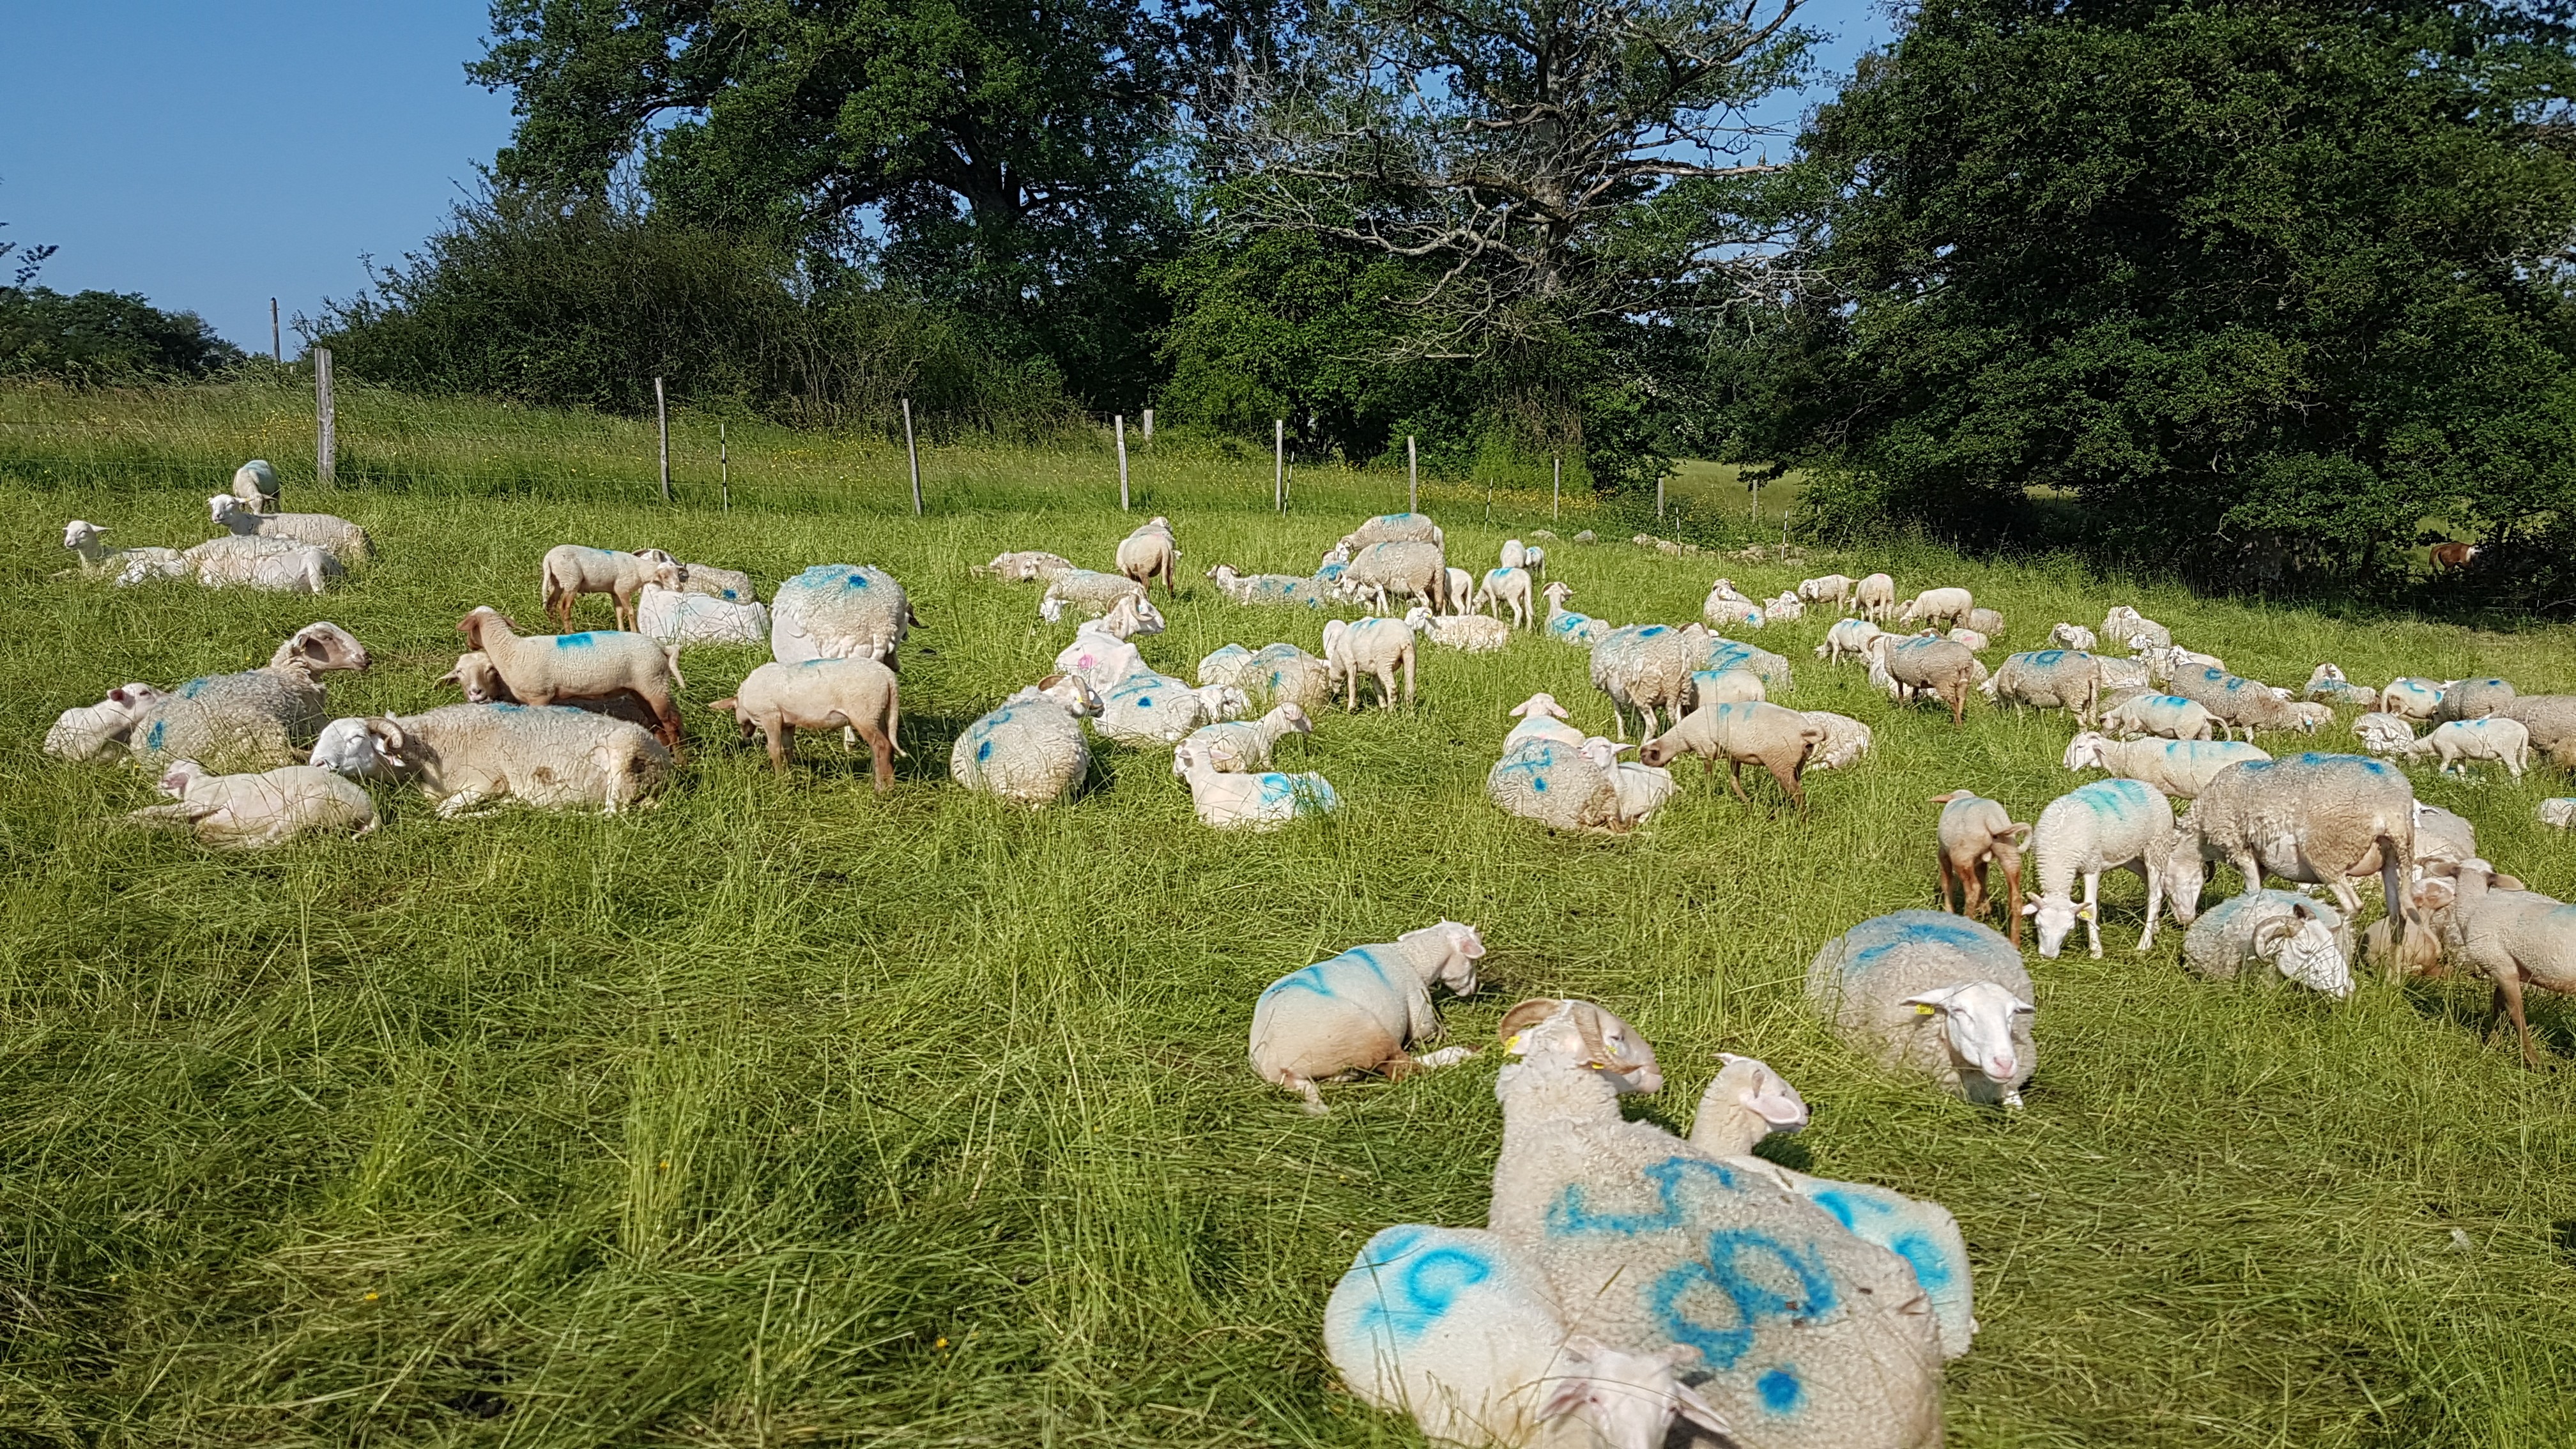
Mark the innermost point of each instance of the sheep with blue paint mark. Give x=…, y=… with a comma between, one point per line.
x=2307, y=941
x=1725, y=608
x=2505, y=741
x=1507, y=588
x=1847, y=639
x=683, y=619
x=1030, y=748
x=251, y=720
x=1250, y=800
x=589, y=667
x=1566, y=626
x=1541, y=718
x=2107, y=825
x=334, y=535
x=1725, y=686
x=2066, y=679
x=1146, y=708
x=2411, y=698
x=1644, y=668
x=1224, y=664
x=733, y=586
x=1391, y=528
x=1358, y=1011
x=842, y=611
x=2169, y=716
x=1291, y=590
x=1724, y=654
x=1285, y=674
x=1385, y=571
x=1245, y=746
x=1941, y=668
x=2320, y=819
x=2474, y=698
x=1555, y=784
x=1930, y=994
x=2180, y=768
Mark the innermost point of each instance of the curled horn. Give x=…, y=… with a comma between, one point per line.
x=1524, y=1016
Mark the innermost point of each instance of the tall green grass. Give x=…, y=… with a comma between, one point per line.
x=783, y=1114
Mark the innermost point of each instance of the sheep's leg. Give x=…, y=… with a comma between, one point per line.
x=1306, y=1088
x=1959, y=703
x=1949, y=882
x=1448, y=1056
x=1735, y=779
x=782, y=741
x=1408, y=678
x=2508, y=1000
x=1789, y=782
x=2093, y=911
x=2145, y=866
x=2012, y=897
x=2249, y=867
x=880, y=757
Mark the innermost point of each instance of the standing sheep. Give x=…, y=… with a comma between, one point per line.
x=1725, y=686
x=1847, y=639
x=1875, y=597
x=2322, y=819
x=2551, y=719
x=1723, y=655
x=2305, y=940
x=2518, y=940
x=1507, y=588
x=2180, y=768
x=1875, y=980
x=1645, y=667
x=1937, y=606
x=1834, y=589
x=250, y=720
x=1987, y=622
x=1392, y=528
x=2412, y=698
x=2505, y=741
x=255, y=483
x=1381, y=647
x=1777, y=739
x=821, y=694
x=1974, y=831
x=569, y=668
x=2065, y=679
x=570, y=571
x=1941, y=668
x=468, y=755
x=1384, y=571
x=1030, y=748
x=2167, y=715
x=1150, y=553
x=1358, y=1011
x=842, y=611
x=2473, y=698
x=2107, y=825
x=253, y=812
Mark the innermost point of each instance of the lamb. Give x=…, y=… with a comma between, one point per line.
x=1724, y=686
x=2124, y=625
x=2412, y=698
x=1811, y=1338
x=2072, y=636
x=95, y=733
x=2305, y=940
x=1937, y=606
x=2473, y=698
x=1030, y=748
x=1568, y=627
x=1467, y=633
x=2505, y=741
x=2167, y=715
x=1286, y=674
x=1834, y=589
x=1540, y=718
x=130, y=565
x=1357, y=1011
x=2518, y=940
x=1645, y=667
x=563, y=668
x=468, y=755
x=2384, y=734
x=1534, y=558
x=1410, y=570
x=250, y=720
x=1725, y=607
x=732, y=586
x=336, y=536
x=1875, y=597
x=1938, y=667
x=2327, y=683
x=846, y=694
x=1974, y=831
x=1263, y=800
x=1244, y=746
x=1786, y=608
x=1460, y=589
x=687, y=620
x=846, y=611
x=1986, y=621
x=1146, y=708
x=252, y=812
x=2322, y=819
x=570, y=571
x=2049, y=679
x=272, y=565
x=1507, y=588
x=1379, y=646
x=1085, y=593
x=1150, y=553
x=1392, y=528
x=1555, y=784
x=1289, y=589
x=1025, y=567
x=1642, y=789
x=1455, y=1328
x=2165, y=663
x=2180, y=768
x=1847, y=639
x=2107, y=825
x=2240, y=703
x=1846, y=740
x=255, y=483
x=1224, y=664
x=1961, y=634
x=1101, y=654
x=1873, y=981
x=1515, y=554
x=1728, y=654
x=1777, y=739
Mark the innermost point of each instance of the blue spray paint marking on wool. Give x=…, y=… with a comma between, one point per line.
x=1866, y=944
x=575, y=641
x=2045, y=658
x=1875, y=1220
x=1569, y=1217
x=193, y=688
x=1780, y=1391
x=1746, y=1290
x=152, y=736
x=1327, y=978
x=1415, y=1289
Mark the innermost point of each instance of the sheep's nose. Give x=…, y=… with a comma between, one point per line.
x=2002, y=1066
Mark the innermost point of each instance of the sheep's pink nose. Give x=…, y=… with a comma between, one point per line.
x=2001, y=1067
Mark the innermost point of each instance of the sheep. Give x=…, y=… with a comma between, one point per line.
x=1286, y=674
x=272, y=565
x=1847, y=639
x=1938, y=667
x=2305, y=940
x=1642, y=789
x=1724, y=686
x=1409, y=570
x=1507, y=588
x=2551, y=719
x=129, y=565
x=1875, y=598
x=2180, y=768
x=333, y=535
x=732, y=586
x=1729, y=654
x=686, y=620
x=464, y=756
x=2558, y=812
x=95, y=733
x=1777, y=739
x=2384, y=734
x=2065, y=679
x=1961, y=634
x=1224, y=664
x=2321, y=819
x=1748, y=1102
x=2165, y=662
x=1455, y=1328
x=1821, y=1339
x=1875, y=981
x=858, y=695
x=1846, y=740
x=2505, y=741
x=1555, y=784
x=1289, y=589
x=1937, y=606
x=1541, y=718
x=1024, y=568
x=1030, y=748
x=544, y=669
x=1145, y=708
x=1244, y=746
x=2473, y=698
x=2072, y=636
x=1467, y=633
x=1359, y=1010
x=1461, y=590
x=2518, y=940
x=1085, y=593
x=2107, y=825
x=1566, y=626
x=255, y=483
x=250, y=720
x=2167, y=715
x=1645, y=667
x=1785, y=608
x=1834, y=589
x=2328, y=684
x=1259, y=800
x=1101, y=654
x=1150, y=553
x=848, y=611
x=253, y=812
x=2411, y=698
x=1392, y=528
x=2241, y=703
x=2124, y=625
x=570, y=570
x=1974, y=831
x=1725, y=607
x=1380, y=647
x=2127, y=676
x=1515, y=554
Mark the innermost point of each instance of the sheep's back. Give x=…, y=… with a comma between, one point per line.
x=1026, y=750
x=228, y=722
x=1551, y=782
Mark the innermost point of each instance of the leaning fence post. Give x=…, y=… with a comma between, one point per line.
x=1121, y=424
x=326, y=423
x=662, y=427
x=912, y=452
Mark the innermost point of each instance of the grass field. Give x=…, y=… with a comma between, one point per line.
x=784, y=1114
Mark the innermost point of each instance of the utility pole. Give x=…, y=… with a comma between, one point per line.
x=662, y=423
x=912, y=452
x=326, y=422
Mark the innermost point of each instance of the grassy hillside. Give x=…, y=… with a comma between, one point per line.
x=786, y=1114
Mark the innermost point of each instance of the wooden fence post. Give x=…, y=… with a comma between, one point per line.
x=276, y=339
x=1279, y=464
x=1556, y=490
x=326, y=422
x=1412, y=477
x=662, y=425
x=912, y=452
x=1121, y=423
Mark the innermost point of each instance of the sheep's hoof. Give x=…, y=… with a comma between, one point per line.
x=2012, y=1101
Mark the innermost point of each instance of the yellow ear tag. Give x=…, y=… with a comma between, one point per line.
x=1514, y=1045
x=1923, y=1008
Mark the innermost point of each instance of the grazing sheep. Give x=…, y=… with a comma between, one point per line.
x=1380, y=647
x=1723, y=655
x=1515, y=554
x=2551, y=719
x=1145, y=708
x=1461, y=590
x=333, y=535
x=255, y=483
x=2412, y=698
x=1507, y=588
x=2241, y=703
x=1030, y=748
x=2321, y=819
x=857, y=695
x=1777, y=739
x=1568, y=627
x=1934, y=666
x=130, y=565
x=95, y=733
x=1987, y=622
x=1385, y=571
x=1834, y=589
x=1244, y=746
x=250, y=720
x=2049, y=679
x=1025, y=568
x=570, y=571
x=2168, y=715
x=1937, y=606
x=1846, y=740
x=2107, y=825
x=1467, y=633
x=1961, y=634
x=2518, y=940
x=1644, y=668
x=2473, y=698
x=1085, y=593
x=2384, y=734
x=2558, y=812
x=1724, y=686
x=547, y=669
x=2072, y=636
x=1555, y=784
x=1973, y=832
x=1873, y=981
x=253, y=812
x=1847, y=639
x=1392, y=528
x=2307, y=941
x=468, y=755
x=1149, y=553
x=732, y=586
x=2505, y=741
x=2124, y=625
x=1304, y=593
x=1642, y=789
x=2180, y=768
x=2328, y=684
x=1786, y=608
x=1875, y=597
x=686, y=620
x=271, y=565
x=1261, y=800
x=1540, y=718
x=845, y=611
x=1359, y=1010
x=1286, y=674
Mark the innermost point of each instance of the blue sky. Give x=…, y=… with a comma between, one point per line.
x=212, y=154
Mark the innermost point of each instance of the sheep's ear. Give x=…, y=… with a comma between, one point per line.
x=2502, y=882
x=2088, y=912
x=1688, y=1404
x=2030, y=908
x=723, y=706
x=1465, y=939
x=1932, y=1001
x=2275, y=931
x=450, y=677
x=1953, y=797
x=1522, y=1017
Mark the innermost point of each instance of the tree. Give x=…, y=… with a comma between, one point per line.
x=31, y=259
x=104, y=337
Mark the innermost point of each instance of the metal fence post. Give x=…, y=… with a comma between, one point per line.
x=1279, y=464
x=724, y=470
x=1556, y=490
x=1412, y=477
x=1121, y=424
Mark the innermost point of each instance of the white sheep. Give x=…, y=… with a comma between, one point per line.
x=1507, y=588
x=1875, y=598
x=2412, y=698
x=1101, y=654
x=130, y=566
x=2558, y=812
x=1961, y=634
x=733, y=586
x=1786, y=608
x=2505, y=741
x=1875, y=982
x=1030, y=748
x=1541, y=718
x=250, y=720
x=1460, y=586
x=1256, y=800
x=271, y=565
x=1359, y=1010
x=1834, y=589
x=1646, y=667
x=93, y=733
x=1566, y=626
x=2321, y=819
x=2384, y=734
x=1150, y=553
x=1379, y=647
x=542, y=669
x=855, y=696
x=841, y=611
x=1084, y=592
x=2107, y=825
x=1846, y=740
x=1391, y=528
x=1286, y=674
x=255, y=483
x=1642, y=789
x=1467, y=633
x=1847, y=639
x=1268, y=588
x=2169, y=716
x=2072, y=636
x=2125, y=625
x=468, y=755
x=1515, y=554
x=1779, y=740
x=2307, y=941
x=2327, y=682
x=2180, y=768
x=1146, y=708
x=1937, y=606
x=687, y=620
x=334, y=535
x=1225, y=664
x=2165, y=663
x=252, y=812
x=1024, y=568
x=1725, y=686
x=570, y=570
x=1555, y=784
x=1245, y=746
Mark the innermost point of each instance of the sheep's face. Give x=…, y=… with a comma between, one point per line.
x=220, y=506
x=1750, y=1083
x=352, y=747
x=2084, y=752
x=80, y=533
x=2056, y=917
x=1463, y=948
x=1977, y=1022
x=2304, y=950
x=327, y=646
x=176, y=781
x=131, y=699
x=1627, y=1400
x=1538, y=704
x=1661, y=750
x=1291, y=717
x=1558, y=593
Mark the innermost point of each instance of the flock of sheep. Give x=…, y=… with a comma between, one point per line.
x=1629, y=1280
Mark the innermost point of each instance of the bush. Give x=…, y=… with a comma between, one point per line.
x=104, y=337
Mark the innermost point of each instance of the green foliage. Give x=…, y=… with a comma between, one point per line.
x=104, y=337
x=2263, y=286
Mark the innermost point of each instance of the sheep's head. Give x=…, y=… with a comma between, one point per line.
x=222, y=506
x=133, y=698
x=1748, y=1101
x=661, y=568
x=321, y=648
x=1417, y=618
x=1538, y=704
x=1627, y=1400
x=361, y=749
x=81, y=536
x=2056, y=917
x=176, y=781
x=1557, y=593
x=2084, y=752
x=1290, y=716
x=1149, y=620
x=1580, y=1033
x=1223, y=701
x=1073, y=693
x=1459, y=948
x=1224, y=574
x=1977, y=1021
x=481, y=682
x=2302, y=946
x=1663, y=749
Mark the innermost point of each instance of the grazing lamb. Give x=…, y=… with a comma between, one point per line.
x=1974, y=831
x=1938, y=667
x=1644, y=668
x=1461, y=591
x=271, y=565
x=1568, y=627
x=856, y=695
x=1024, y=568
x=130, y=565
x=1724, y=686
x=2180, y=768
x=2516, y=939
x=2474, y=698
x=251, y=720
x=2064, y=679
x=2321, y=819
x=687, y=620
x=1030, y=748
x=2412, y=698
x=1467, y=633
x=1385, y=571
x=2072, y=636
x=1937, y=606
x=570, y=571
x=1555, y=784
x=1846, y=740
x=468, y=755
x=1541, y=718
x=1392, y=528
x=2107, y=825
x=255, y=483
x=253, y=812
x=1291, y=589
x=336, y=536
x=1380, y=647
x=1777, y=739
x=1507, y=588
x=96, y=733
x=1149, y=553
x=1642, y=789
x=1359, y=1010
x=707, y=581
x=2384, y=734
x=1847, y=639
x=2167, y=715
x=2305, y=940
x=2505, y=741
x=2328, y=684
x=1244, y=746
x=1875, y=597
x=1262, y=800
x=1084, y=593
x=547, y=669
x=1874, y=981
x=1834, y=589
x=1146, y=708
x=844, y=611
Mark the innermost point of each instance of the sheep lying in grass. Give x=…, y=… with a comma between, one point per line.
x=2072, y=636
x=1726, y=609
x=1101, y=654
x=253, y=812
x=1379, y=647
x=1927, y=992
x=2107, y=825
x=1846, y=740
x=2505, y=741
x=707, y=581
x=2165, y=664
x=1024, y=568
x=1985, y=621
x=851, y=695
x=2124, y=625
x=1784, y=608
x=1392, y=528
x=2307, y=941
x=335, y=536
x=1084, y=593
x=1847, y=639
x=1975, y=831
x=1150, y=553
x=129, y=566
x=1145, y=708
x=468, y=755
x=2327, y=683
x=2321, y=819
x=1568, y=627
x=1286, y=674
x=1257, y=800
x=2412, y=698
x=94, y=733
x=687, y=620
x=1030, y=748
x=2384, y=734
x=543, y=669
x=1725, y=686
x=1467, y=633
x=1777, y=739
x=1291, y=589
x=251, y=720
x=1555, y=784
x=2166, y=715
x=842, y=611
x=271, y=565
x=2558, y=812
x=1359, y=1010
x=2474, y=698
x=1541, y=718
x=1244, y=746
x=1641, y=789
x=255, y=483
x=571, y=570
x=2180, y=768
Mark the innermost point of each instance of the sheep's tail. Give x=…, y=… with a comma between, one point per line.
x=551, y=590
x=671, y=658
x=894, y=722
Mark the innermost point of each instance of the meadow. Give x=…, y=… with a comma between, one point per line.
x=782, y=1113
